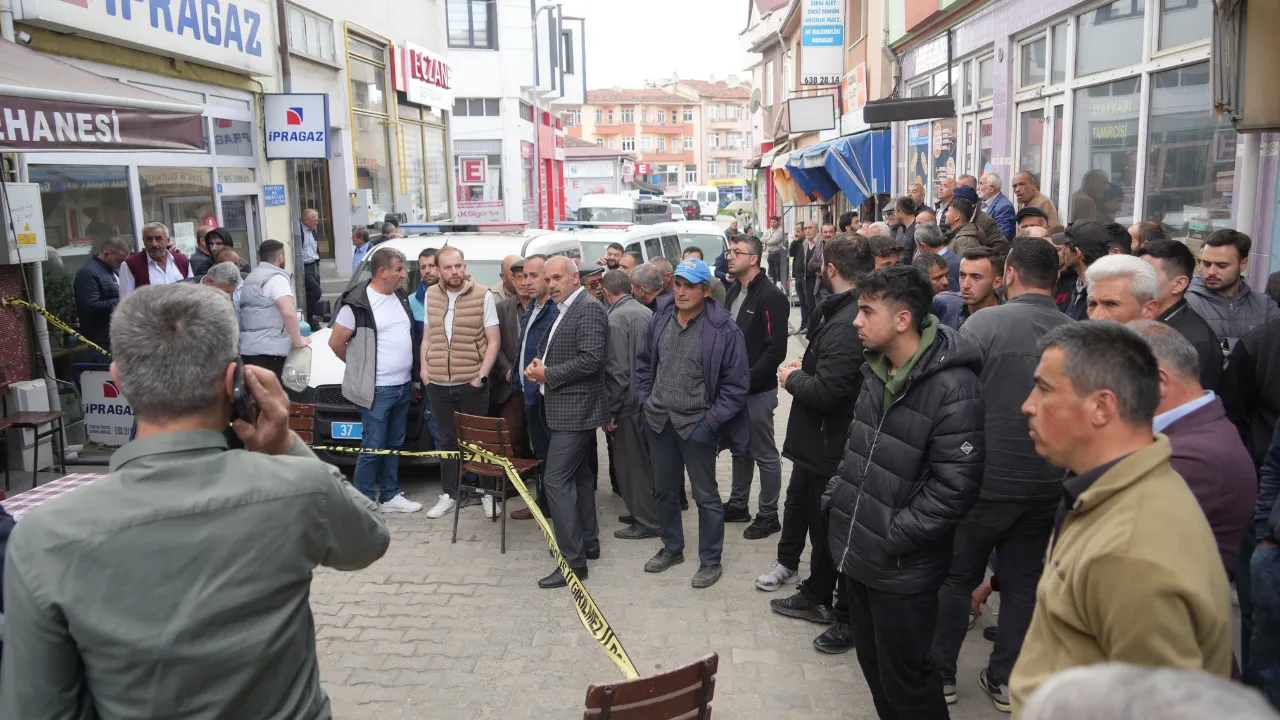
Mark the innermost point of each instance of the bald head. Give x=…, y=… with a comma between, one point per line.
x=508, y=277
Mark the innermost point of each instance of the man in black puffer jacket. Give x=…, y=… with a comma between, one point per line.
x=823, y=386
x=912, y=469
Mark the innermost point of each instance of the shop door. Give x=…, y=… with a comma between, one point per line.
x=240, y=218
x=313, y=192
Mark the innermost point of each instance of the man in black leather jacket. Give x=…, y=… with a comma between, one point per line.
x=912, y=469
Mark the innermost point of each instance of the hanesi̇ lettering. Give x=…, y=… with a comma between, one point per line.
x=17, y=125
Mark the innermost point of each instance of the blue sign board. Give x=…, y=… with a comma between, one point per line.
x=822, y=36
x=273, y=195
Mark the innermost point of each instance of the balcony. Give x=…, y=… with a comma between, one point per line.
x=724, y=151
x=655, y=156
x=724, y=122
x=612, y=130
x=652, y=129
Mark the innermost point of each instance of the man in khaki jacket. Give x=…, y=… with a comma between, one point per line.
x=1132, y=572
x=460, y=344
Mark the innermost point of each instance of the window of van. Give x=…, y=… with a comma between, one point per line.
x=671, y=249
x=652, y=248
x=713, y=246
x=601, y=214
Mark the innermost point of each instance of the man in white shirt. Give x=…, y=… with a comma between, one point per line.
x=380, y=365
x=155, y=264
x=311, y=261
x=460, y=344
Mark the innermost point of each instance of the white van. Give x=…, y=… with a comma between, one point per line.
x=601, y=207
x=669, y=240
x=707, y=197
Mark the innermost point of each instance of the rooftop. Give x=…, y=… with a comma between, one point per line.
x=623, y=97
x=719, y=90
x=579, y=148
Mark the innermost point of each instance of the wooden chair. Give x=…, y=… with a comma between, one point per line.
x=682, y=694
x=30, y=420
x=490, y=433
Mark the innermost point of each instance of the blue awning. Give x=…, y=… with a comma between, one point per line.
x=857, y=165
x=861, y=164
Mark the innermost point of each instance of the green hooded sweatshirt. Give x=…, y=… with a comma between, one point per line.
x=880, y=365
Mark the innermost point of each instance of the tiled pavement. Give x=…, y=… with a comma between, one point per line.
x=435, y=630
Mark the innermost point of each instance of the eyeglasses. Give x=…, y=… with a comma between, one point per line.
x=731, y=253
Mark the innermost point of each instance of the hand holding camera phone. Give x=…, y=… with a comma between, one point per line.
x=244, y=406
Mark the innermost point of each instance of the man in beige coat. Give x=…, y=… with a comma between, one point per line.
x=1132, y=573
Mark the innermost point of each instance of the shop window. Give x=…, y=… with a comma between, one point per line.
x=1031, y=62
x=471, y=23
x=365, y=49
x=968, y=82
x=236, y=175
x=83, y=206
x=1109, y=37
x=1104, y=152
x=691, y=174
x=919, y=90
x=1191, y=156
x=310, y=34
x=628, y=116
x=368, y=87
x=984, y=146
x=986, y=77
x=1030, y=141
x=437, y=175
x=1184, y=21
x=233, y=137
x=477, y=107
x=179, y=197
x=491, y=191
x=1057, y=64
x=415, y=172
x=373, y=161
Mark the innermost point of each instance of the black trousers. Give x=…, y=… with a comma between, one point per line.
x=795, y=517
x=823, y=581
x=1019, y=533
x=446, y=402
x=311, y=278
x=892, y=634
x=273, y=363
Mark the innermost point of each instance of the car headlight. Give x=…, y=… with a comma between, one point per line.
x=297, y=369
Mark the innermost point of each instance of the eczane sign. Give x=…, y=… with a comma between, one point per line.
x=234, y=35
x=424, y=76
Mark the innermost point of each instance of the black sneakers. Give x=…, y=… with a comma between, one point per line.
x=736, y=514
x=837, y=639
x=799, y=606
x=762, y=527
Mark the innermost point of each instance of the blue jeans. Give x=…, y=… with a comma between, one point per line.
x=1264, y=649
x=670, y=455
x=384, y=428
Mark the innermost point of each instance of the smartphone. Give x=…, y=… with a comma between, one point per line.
x=243, y=405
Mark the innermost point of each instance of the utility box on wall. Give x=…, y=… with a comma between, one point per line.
x=23, y=220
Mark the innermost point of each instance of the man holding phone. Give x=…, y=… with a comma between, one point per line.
x=175, y=553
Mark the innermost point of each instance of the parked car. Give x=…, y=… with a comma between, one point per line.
x=690, y=208
x=601, y=207
x=668, y=239
x=313, y=375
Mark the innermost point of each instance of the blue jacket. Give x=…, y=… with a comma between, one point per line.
x=725, y=371
x=97, y=293
x=537, y=336
x=1001, y=210
x=949, y=307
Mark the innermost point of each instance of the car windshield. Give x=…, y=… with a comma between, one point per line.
x=601, y=214
x=593, y=250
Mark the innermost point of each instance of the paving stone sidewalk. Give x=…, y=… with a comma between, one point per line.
x=440, y=630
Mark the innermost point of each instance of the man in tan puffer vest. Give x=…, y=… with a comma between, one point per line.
x=460, y=343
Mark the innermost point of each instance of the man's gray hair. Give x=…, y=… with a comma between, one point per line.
x=1143, y=281
x=616, y=282
x=878, y=229
x=172, y=344
x=309, y=212
x=994, y=180
x=1105, y=355
x=1172, y=349
x=647, y=276
x=227, y=273
x=930, y=234
x=156, y=226
x=1119, y=691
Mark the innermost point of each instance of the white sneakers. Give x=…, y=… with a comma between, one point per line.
x=400, y=504
x=777, y=577
x=492, y=509
x=442, y=506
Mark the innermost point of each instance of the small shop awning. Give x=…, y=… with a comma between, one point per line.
x=50, y=105
x=857, y=165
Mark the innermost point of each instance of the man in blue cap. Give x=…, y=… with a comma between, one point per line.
x=692, y=379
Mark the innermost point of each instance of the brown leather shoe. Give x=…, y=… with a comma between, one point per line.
x=522, y=514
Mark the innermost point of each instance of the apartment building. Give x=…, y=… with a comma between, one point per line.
x=660, y=128
x=723, y=125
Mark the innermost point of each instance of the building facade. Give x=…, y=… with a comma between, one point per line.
x=591, y=169
x=658, y=128
x=722, y=127
x=516, y=171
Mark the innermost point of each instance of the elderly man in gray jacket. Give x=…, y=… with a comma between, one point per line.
x=177, y=585
x=628, y=321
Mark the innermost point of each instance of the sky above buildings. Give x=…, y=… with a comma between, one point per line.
x=628, y=42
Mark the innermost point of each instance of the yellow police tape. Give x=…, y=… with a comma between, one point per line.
x=54, y=320
x=588, y=612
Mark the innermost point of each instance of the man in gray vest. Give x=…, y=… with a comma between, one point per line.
x=269, y=327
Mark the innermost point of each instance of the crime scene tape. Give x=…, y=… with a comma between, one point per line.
x=589, y=613
x=53, y=320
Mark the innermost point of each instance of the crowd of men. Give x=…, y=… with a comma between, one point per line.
x=1080, y=418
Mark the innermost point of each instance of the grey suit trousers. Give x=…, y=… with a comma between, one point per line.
x=635, y=477
x=571, y=496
